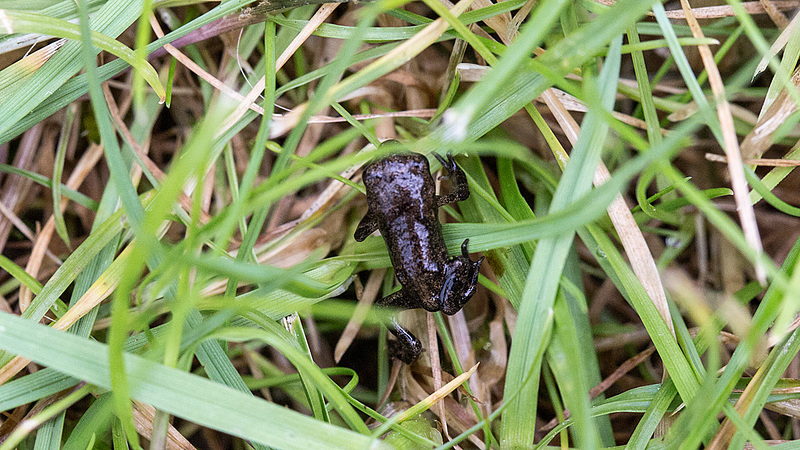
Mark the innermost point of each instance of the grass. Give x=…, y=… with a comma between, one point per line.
x=179, y=268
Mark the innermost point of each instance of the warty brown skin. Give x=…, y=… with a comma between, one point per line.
x=402, y=204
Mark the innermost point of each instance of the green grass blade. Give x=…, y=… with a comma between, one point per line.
x=134, y=212
x=508, y=67
x=686, y=71
x=58, y=170
x=174, y=391
x=652, y=416
x=111, y=20
x=20, y=274
x=28, y=107
x=97, y=419
x=71, y=194
x=535, y=311
x=25, y=22
x=48, y=437
x=773, y=370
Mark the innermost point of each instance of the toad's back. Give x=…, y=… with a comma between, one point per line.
x=401, y=194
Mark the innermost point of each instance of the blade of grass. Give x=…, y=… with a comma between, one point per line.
x=535, y=310
x=48, y=436
x=19, y=273
x=730, y=145
x=135, y=214
x=58, y=170
x=26, y=22
x=174, y=391
x=27, y=107
x=71, y=194
x=19, y=433
x=518, y=53
x=755, y=395
x=652, y=416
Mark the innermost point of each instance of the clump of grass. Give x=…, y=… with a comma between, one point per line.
x=177, y=238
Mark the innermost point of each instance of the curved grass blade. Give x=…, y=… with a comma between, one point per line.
x=71, y=194
x=171, y=390
x=20, y=275
x=26, y=22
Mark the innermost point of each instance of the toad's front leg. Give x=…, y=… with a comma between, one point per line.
x=367, y=226
x=459, y=189
x=407, y=348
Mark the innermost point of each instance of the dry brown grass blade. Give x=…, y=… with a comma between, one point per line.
x=741, y=192
x=436, y=369
x=661, y=87
x=572, y=103
x=458, y=416
x=25, y=230
x=789, y=408
x=143, y=415
x=772, y=430
x=641, y=259
x=759, y=140
x=500, y=23
x=715, y=12
x=207, y=192
x=397, y=365
x=495, y=366
x=319, y=17
x=365, y=299
x=775, y=14
x=520, y=17
x=776, y=47
x=725, y=432
x=404, y=52
x=691, y=108
x=757, y=162
x=12, y=368
x=609, y=381
x=635, y=337
x=100, y=290
x=493, y=371
x=199, y=71
x=85, y=165
x=424, y=113
x=16, y=188
x=29, y=64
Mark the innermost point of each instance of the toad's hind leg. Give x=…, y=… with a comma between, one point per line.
x=407, y=347
x=366, y=227
x=459, y=189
